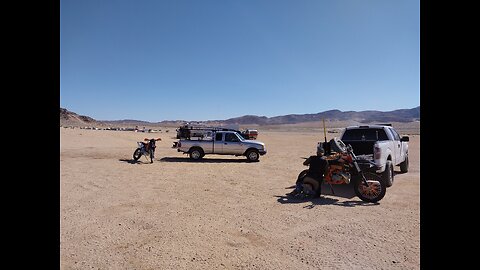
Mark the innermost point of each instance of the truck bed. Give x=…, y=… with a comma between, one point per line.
x=361, y=147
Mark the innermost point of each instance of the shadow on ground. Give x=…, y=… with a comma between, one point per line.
x=286, y=199
x=204, y=160
x=131, y=161
x=342, y=191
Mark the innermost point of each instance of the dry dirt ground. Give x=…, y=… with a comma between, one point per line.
x=222, y=212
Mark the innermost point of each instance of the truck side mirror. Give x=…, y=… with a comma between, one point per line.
x=405, y=139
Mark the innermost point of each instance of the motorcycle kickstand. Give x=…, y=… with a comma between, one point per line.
x=331, y=188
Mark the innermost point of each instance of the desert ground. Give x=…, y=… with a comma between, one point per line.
x=223, y=212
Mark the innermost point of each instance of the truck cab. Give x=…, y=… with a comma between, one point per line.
x=227, y=142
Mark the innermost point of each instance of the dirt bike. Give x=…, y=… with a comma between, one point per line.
x=146, y=149
x=344, y=167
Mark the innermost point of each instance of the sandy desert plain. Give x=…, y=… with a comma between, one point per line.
x=223, y=212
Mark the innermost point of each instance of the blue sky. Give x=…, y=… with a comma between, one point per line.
x=157, y=60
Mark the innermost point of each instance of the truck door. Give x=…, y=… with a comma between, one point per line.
x=232, y=144
x=398, y=147
x=218, y=143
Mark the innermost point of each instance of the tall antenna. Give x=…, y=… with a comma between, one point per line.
x=326, y=146
x=324, y=130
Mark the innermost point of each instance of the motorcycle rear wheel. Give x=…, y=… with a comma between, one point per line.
x=311, y=184
x=137, y=154
x=301, y=175
x=376, y=188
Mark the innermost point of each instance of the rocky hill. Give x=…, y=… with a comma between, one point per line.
x=68, y=118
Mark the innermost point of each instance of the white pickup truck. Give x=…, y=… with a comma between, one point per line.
x=380, y=143
x=221, y=143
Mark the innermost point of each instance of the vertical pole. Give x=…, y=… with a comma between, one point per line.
x=326, y=146
x=324, y=130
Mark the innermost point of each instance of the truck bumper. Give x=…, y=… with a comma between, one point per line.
x=381, y=168
x=262, y=152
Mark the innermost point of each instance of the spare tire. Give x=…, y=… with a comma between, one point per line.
x=337, y=145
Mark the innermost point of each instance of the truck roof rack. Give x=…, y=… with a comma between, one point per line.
x=208, y=128
x=366, y=126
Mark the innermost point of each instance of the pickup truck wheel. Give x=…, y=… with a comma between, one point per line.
x=387, y=175
x=252, y=155
x=196, y=154
x=404, y=165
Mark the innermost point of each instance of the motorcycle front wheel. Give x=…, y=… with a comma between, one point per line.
x=374, y=192
x=137, y=154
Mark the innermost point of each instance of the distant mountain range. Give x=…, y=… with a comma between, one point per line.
x=403, y=115
x=68, y=118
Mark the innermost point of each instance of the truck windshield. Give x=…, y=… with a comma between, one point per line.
x=364, y=134
x=239, y=137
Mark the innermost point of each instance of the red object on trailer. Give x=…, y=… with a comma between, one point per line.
x=252, y=133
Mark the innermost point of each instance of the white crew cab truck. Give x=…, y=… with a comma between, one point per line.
x=380, y=143
x=220, y=142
